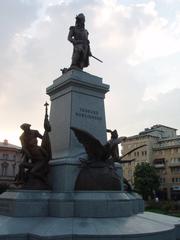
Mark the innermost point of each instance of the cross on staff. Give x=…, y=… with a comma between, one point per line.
x=46, y=108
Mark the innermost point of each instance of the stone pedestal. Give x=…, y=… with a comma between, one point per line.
x=101, y=204
x=77, y=100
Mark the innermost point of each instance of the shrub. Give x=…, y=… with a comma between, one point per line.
x=3, y=187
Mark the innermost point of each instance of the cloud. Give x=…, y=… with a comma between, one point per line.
x=165, y=110
x=138, y=44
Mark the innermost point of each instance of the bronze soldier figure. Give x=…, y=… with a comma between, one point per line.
x=114, y=149
x=27, y=136
x=78, y=36
x=34, y=168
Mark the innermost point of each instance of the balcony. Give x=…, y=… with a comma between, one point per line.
x=176, y=188
x=159, y=165
x=174, y=164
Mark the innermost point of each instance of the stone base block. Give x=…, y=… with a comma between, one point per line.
x=25, y=203
x=65, y=171
x=95, y=204
x=136, y=227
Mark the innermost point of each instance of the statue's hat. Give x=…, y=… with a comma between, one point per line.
x=80, y=16
x=114, y=133
x=25, y=125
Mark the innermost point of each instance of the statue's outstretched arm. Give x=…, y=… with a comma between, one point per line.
x=39, y=135
x=71, y=35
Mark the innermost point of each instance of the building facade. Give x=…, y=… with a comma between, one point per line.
x=162, y=150
x=9, y=161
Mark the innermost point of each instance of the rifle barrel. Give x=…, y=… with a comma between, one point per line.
x=97, y=58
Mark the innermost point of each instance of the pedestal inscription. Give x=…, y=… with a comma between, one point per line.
x=88, y=113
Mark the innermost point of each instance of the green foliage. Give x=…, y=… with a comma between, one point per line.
x=164, y=207
x=3, y=187
x=146, y=180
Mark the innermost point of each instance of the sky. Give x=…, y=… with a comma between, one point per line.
x=138, y=41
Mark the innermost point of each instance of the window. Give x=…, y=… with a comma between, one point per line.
x=162, y=180
x=5, y=156
x=129, y=173
x=4, y=166
x=177, y=180
x=159, y=161
x=175, y=170
x=160, y=171
x=14, y=169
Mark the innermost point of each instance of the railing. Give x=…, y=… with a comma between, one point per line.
x=159, y=165
x=174, y=164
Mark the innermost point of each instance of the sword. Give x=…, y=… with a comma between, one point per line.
x=97, y=58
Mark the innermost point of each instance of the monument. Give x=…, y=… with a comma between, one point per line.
x=83, y=197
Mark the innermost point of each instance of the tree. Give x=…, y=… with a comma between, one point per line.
x=146, y=180
x=3, y=187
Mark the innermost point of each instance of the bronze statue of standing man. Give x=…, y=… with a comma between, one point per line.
x=78, y=36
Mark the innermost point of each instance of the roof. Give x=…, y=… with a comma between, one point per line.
x=139, y=136
x=148, y=132
x=7, y=145
x=177, y=137
x=160, y=125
